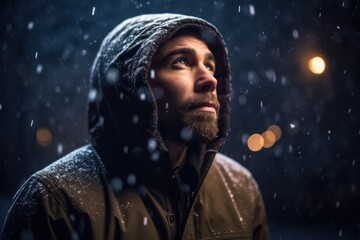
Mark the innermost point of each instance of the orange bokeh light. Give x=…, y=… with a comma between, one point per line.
x=269, y=138
x=276, y=130
x=265, y=140
x=255, y=142
x=43, y=136
x=316, y=65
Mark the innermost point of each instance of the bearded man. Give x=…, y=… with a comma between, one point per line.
x=158, y=116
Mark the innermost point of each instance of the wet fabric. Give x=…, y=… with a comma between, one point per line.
x=123, y=184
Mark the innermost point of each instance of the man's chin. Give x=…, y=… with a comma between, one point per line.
x=203, y=126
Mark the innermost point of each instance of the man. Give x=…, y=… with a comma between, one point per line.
x=158, y=115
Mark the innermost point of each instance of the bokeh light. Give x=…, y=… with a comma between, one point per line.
x=269, y=138
x=276, y=130
x=265, y=140
x=43, y=136
x=316, y=65
x=255, y=142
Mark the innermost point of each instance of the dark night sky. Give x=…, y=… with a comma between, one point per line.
x=310, y=178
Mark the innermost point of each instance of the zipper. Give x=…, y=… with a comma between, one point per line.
x=201, y=180
x=173, y=209
x=177, y=204
x=178, y=212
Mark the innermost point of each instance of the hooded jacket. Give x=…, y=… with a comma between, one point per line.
x=123, y=184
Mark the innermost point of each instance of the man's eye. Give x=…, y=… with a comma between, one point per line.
x=210, y=67
x=181, y=61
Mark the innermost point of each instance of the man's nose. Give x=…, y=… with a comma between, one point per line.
x=205, y=81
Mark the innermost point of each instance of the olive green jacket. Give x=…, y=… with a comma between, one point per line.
x=74, y=199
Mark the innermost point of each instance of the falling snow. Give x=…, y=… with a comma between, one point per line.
x=152, y=74
x=295, y=34
x=30, y=26
x=59, y=149
x=112, y=76
x=39, y=68
x=252, y=10
x=117, y=184
x=92, y=95
x=135, y=119
x=46, y=63
x=186, y=134
x=152, y=144
x=131, y=180
x=125, y=149
x=142, y=97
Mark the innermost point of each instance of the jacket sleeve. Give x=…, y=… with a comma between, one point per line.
x=36, y=214
x=260, y=231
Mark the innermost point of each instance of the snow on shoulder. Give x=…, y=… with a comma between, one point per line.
x=231, y=166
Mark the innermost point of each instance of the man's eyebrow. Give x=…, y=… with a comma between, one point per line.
x=209, y=56
x=173, y=52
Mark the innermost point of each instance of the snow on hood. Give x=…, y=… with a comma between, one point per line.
x=122, y=112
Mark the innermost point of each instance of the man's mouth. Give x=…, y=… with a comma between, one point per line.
x=205, y=107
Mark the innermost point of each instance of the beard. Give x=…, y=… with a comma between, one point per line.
x=184, y=124
x=199, y=126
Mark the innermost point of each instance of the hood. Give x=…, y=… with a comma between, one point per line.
x=122, y=112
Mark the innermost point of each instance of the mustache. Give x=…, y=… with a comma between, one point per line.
x=200, y=100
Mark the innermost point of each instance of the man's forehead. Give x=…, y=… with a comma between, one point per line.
x=183, y=40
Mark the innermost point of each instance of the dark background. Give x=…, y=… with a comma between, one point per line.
x=310, y=178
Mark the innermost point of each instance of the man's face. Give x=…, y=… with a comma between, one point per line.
x=183, y=72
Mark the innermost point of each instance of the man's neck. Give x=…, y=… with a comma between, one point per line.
x=177, y=152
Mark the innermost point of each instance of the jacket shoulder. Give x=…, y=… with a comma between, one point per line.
x=74, y=178
x=82, y=162
x=61, y=191
x=231, y=166
x=234, y=176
